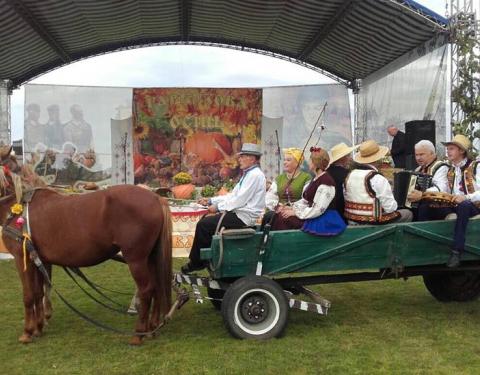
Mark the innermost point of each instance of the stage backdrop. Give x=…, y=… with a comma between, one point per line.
x=293, y=111
x=196, y=130
x=205, y=126
x=68, y=134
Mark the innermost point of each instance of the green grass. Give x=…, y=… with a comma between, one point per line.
x=390, y=327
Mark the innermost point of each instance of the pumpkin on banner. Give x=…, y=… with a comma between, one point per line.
x=210, y=147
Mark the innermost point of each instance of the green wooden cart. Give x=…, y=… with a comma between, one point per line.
x=255, y=277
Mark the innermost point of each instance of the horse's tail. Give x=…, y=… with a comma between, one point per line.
x=164, y=259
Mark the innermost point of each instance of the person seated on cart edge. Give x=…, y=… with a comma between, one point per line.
x=463, y=180
x=368, y=195
x=426, y=158
x=240, y=208
x=288, y=186
x=315, y=212
x=339, y=168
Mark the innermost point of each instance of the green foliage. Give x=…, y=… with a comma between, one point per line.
x=467, y=94
x=379, y=327
x=208, y=191
x=230, y=184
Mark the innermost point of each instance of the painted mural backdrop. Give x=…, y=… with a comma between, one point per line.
x=194, y=130
x=68, y=132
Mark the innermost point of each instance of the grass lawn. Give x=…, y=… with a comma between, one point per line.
x=390, y=327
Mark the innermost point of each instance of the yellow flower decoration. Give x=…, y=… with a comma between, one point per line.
x=141, y=131
x=182, y=178
x=16, y=209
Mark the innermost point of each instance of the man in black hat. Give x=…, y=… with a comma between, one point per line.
x=240, y=208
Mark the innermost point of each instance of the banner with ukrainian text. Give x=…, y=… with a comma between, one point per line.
x=194, y=130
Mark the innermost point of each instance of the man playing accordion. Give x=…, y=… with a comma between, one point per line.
x=429, y=165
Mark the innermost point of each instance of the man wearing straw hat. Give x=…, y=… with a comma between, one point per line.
x=240, y=208
x=368, y=195
x=463, y=180
x=340, y=163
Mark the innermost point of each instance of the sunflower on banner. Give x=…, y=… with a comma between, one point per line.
x=194, y=130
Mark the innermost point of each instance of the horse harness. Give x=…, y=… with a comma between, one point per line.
x=23, y=236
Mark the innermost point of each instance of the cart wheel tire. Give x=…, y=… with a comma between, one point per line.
x=255, y=307
x=461, y=286
x=217, y=297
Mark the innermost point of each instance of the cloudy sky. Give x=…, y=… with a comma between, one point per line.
x=179, y=66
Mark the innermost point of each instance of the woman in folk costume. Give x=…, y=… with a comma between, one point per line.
x=288, y=186
x=314, y=212
x=368, y=195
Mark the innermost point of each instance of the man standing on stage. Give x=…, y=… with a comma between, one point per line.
x=397, y=151
x=240, y=208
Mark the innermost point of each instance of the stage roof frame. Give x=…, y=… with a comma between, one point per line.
x=343, y=39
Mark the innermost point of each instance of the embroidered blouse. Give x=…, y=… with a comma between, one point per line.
x=318, y=196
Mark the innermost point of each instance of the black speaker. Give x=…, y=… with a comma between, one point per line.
x=415, y=131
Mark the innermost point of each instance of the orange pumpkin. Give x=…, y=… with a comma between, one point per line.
x=183, y=191
x=203, y=145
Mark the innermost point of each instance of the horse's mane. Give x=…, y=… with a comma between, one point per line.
x=3, y=182
x=30, y=179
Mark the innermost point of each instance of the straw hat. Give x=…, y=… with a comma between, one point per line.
x=369, y=152
x=460, y=141
x=339, y=151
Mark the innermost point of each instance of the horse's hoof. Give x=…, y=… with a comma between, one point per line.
x=136, y=340
x=25, y=339
x=37, y=333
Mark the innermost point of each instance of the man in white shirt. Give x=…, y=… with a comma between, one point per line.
x=368, y=195
x=240, y=208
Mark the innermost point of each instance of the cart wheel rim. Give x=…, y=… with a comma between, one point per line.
x=250, y=318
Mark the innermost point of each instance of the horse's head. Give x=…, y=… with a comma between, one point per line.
x=7, y=160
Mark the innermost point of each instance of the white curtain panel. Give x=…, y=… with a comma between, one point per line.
x=412, y=88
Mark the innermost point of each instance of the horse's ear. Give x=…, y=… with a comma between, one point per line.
x=5, y=151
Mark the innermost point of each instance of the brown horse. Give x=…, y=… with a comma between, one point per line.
x=87, y=229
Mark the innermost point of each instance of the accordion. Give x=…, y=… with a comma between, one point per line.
x=404, y=182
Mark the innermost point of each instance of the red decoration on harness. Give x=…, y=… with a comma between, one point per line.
x=6, y=170
x=19, y=222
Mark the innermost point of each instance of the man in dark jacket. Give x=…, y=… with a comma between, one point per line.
x=340, y=160
x=398, y=146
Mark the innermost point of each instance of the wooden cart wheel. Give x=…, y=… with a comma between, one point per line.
x=460, y=286
x=255, y=307
x=217, y=297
